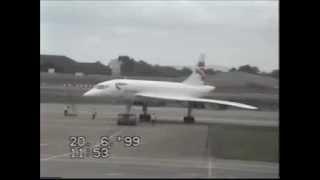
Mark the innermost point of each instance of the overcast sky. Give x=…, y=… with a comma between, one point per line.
x=230, y=33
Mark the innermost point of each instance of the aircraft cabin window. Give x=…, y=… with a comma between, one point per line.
x=122, y=84
x=101, y=86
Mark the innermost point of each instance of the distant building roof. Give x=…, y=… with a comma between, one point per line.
x=64, y=64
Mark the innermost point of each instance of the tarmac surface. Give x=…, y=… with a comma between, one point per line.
x=169, y=148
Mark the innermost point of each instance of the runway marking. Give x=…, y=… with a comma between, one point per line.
x=189, y=175
x=117, y=132
x=148, y=163
x=170, y=163
x=210, y=168
x=209, y=156
x=198, y=162
x=56, y=156
x=44, y=155
x=113, y=174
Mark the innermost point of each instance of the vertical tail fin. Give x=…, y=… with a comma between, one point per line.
x=198, y=74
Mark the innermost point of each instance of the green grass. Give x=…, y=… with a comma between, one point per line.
x=244, y=142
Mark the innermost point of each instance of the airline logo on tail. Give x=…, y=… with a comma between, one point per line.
x=201, y=69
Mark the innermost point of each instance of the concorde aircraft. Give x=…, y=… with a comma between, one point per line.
x=190, y=90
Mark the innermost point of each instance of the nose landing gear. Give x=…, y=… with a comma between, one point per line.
x=145, y=116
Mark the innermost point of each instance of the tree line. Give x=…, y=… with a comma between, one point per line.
x=255, y=70
x=131, y=67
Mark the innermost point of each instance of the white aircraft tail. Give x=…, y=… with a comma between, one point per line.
x=198, y=74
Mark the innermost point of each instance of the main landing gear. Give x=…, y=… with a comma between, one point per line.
x=131, y=119
x=145, y=116
x=127, y=118
x=189, y=118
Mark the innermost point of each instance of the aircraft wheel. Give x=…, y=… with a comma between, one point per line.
x=145, y=117
x=127, y=119
x=188, y=119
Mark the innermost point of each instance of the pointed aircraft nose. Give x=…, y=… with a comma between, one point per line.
x=88, y=93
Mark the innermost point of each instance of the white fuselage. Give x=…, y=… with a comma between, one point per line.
x=127, y=88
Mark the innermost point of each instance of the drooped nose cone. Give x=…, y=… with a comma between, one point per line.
x=94, y=92
x=89, y=93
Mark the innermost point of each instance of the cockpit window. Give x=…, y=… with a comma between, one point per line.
x=121, y=84
x=101, y=86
